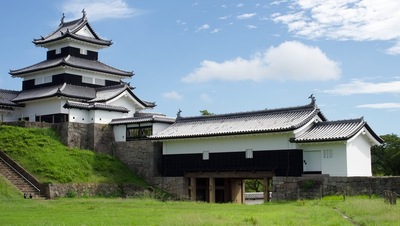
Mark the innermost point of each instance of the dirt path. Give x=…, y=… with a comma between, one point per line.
x=346, y=217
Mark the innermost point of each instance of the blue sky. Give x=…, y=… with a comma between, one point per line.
x=233, y=56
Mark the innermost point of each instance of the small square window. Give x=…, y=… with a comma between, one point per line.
x=249, y=153
x=206, y=155
x=328, y=154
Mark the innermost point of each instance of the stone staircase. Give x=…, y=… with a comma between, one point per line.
x=19, y=181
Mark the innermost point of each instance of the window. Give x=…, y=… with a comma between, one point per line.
x=206, y=155
x=43, y=80
x=98, y=81
x=138, y=133
x=249, y=153
x=87, y=79
x=83, y=51
x=48, y=79
x=328, y=154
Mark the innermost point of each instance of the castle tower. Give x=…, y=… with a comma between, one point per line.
x=71, y=84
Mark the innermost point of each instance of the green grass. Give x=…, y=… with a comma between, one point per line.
x=7, y=190
x=106, y=211
x=367, y=211
x=41, y=152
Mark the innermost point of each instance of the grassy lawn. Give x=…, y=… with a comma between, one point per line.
x=14, y=210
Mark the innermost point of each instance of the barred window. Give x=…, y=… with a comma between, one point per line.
x=87, y=79
x=138, y=133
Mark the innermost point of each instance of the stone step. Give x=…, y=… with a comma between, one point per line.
x=18, y=181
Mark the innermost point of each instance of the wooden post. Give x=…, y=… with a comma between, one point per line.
x=193, y=189
x=212, y=189
x=266, y=189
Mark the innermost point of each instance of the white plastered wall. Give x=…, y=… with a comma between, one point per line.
x=256, y=142
x=126, y=100
x=359, y=156
x=119, y=132
x=335, y=165
x=43, y=107
x=104, y=117
x=78, y=115
x=93, y=116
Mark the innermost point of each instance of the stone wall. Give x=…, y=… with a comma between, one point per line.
x=92, y=189
x=144, y=158
x=292, y=188
x=101, y=138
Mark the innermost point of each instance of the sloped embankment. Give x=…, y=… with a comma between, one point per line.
x=41, y=153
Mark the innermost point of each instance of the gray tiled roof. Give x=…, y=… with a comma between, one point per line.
x=66, y=90
x=6, y=97
x=107, y=93
x=89, y=94
x=334, y=130
x=277, y=120
x=94, y=106
x=74, y=62
x=141, y=119
x=70, y=29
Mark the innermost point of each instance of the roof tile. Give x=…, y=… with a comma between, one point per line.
x=276, y=120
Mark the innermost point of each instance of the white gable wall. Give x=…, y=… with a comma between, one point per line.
x=255, y=142
x=359, y=156
x=126, y=100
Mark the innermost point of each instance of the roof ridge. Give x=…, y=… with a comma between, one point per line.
x=110, y=87
x=343, y=121
x=248, y=113
x=73, y=57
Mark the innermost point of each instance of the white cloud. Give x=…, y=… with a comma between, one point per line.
x=381, y=106
x=173, y=95
x=246, y=16
x=278, y=2
x=215, y=31
x=289, y=61
x=203, y=27
x=359, y=20
x=251, y=26
x=99, y=9
x=361, y=87
x=240, y=5
x=223, y=17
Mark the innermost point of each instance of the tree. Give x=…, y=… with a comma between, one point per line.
x=254, y=185
x=386, y=157
x=205, y=112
